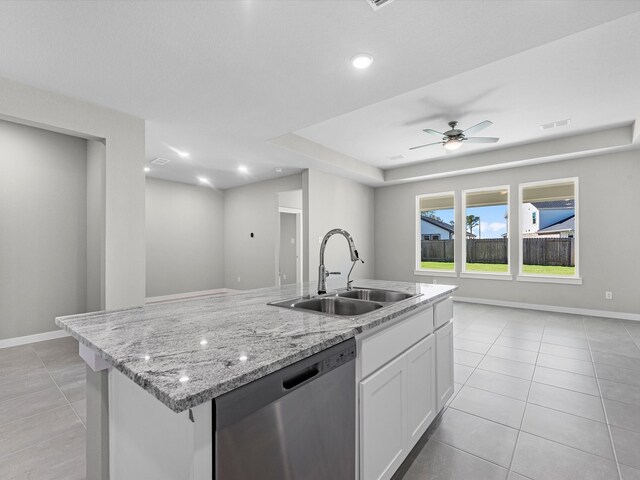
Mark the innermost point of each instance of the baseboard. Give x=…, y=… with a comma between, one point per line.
x=185, y=296
x=551, y=308
x=38, y=337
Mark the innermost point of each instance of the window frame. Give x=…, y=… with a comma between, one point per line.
x=489, y=275
x=531, y=277
x=418, y=238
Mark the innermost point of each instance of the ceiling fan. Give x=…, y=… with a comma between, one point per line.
x=452, y=139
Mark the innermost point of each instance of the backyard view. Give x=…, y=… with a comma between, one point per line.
x=547, y=219
x=487, y=240
x=436, y=219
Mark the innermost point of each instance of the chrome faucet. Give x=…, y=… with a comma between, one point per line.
x=322, y=271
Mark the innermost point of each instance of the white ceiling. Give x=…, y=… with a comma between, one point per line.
x=220, y=79
x=588, y=77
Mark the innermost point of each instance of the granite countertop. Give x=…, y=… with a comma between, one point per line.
x=188, y=352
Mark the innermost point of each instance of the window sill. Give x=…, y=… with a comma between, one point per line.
x=487, y=276
x=549, y=279
x=435, y=273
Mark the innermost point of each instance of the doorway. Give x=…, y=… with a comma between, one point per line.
x=289, y=239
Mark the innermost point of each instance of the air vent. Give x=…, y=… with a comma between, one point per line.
x=396, y=157
x=559, y=123
x=160, y=161
x=378, y=4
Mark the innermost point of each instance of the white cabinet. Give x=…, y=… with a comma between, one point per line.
x=383, y=421
x=421, y=395
x=397, y=404
x=405, y=375
x=444, y=364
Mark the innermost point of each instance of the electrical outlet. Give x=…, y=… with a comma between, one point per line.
x=238, y=279
x=608, y=295
x=320, y=239
x=435, y=280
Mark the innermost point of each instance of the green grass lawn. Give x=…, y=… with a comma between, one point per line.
x=471, y=267
x=501, y=268
x=548, y=270
x=437, y=266
x=488, y=267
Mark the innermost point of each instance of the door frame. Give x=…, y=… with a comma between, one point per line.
x=299, y=252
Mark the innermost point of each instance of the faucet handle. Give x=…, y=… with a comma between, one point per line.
x=333, y=273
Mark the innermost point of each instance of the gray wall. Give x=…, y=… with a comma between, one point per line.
x=336, y=202
x=253, y=209
x=288, y=250
x=43, y=228
x=609, y=195
x=96, y=156
x=184, y=238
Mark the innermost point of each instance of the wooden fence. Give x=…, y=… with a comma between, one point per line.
x=549, y=251
x=535, y=251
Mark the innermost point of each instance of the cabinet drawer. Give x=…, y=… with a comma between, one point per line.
x=393, y=341
x=443, y=312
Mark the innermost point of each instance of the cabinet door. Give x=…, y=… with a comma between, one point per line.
x=444, y=364
x=383, y=405
x=421, y=388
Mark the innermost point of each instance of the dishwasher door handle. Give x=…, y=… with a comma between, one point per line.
x=301, y=377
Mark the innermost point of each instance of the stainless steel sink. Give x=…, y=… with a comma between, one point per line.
x=376, y=295
x=331, y=305
x=346, y=303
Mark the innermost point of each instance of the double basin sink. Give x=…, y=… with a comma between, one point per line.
x=357, y=301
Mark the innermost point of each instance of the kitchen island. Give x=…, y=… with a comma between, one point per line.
x=187, y=353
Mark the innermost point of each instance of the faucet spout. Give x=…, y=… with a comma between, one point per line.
x=322, y=271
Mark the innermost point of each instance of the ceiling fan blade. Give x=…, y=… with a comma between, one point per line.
x=426, y=145
x=482, y=139
x=478, y=127
x=433, y=132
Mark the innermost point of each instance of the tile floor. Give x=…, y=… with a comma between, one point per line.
x=42, y=411
x=540, y=396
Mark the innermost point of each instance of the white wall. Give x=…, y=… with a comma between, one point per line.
x=43, y=225
x=609, y=194
x=184, y=238
x=335, y=202
x=253, y=209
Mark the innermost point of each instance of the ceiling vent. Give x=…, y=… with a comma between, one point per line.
x=397, y=157
x=160, y=161
x=559, y=123
x=378, y=4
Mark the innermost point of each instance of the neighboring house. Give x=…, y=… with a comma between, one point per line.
x=562, y=229
x=433, y=229
x=539, y=216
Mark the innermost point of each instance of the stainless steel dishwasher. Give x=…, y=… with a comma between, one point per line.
x=297, y=423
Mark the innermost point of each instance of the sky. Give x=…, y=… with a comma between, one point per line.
x=492, y=221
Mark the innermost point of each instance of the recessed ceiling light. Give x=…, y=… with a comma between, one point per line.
x=184, y=379
x=203, y=180
x=203, y=342
x=362, y=60
x=278, y=170
x=147, y=169
x=243, y=169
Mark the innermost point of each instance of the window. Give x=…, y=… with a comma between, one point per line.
x=435, y=232
x=549, y=245
x=486, y=246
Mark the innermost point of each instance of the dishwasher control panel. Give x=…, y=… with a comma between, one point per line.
x=339, y=358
